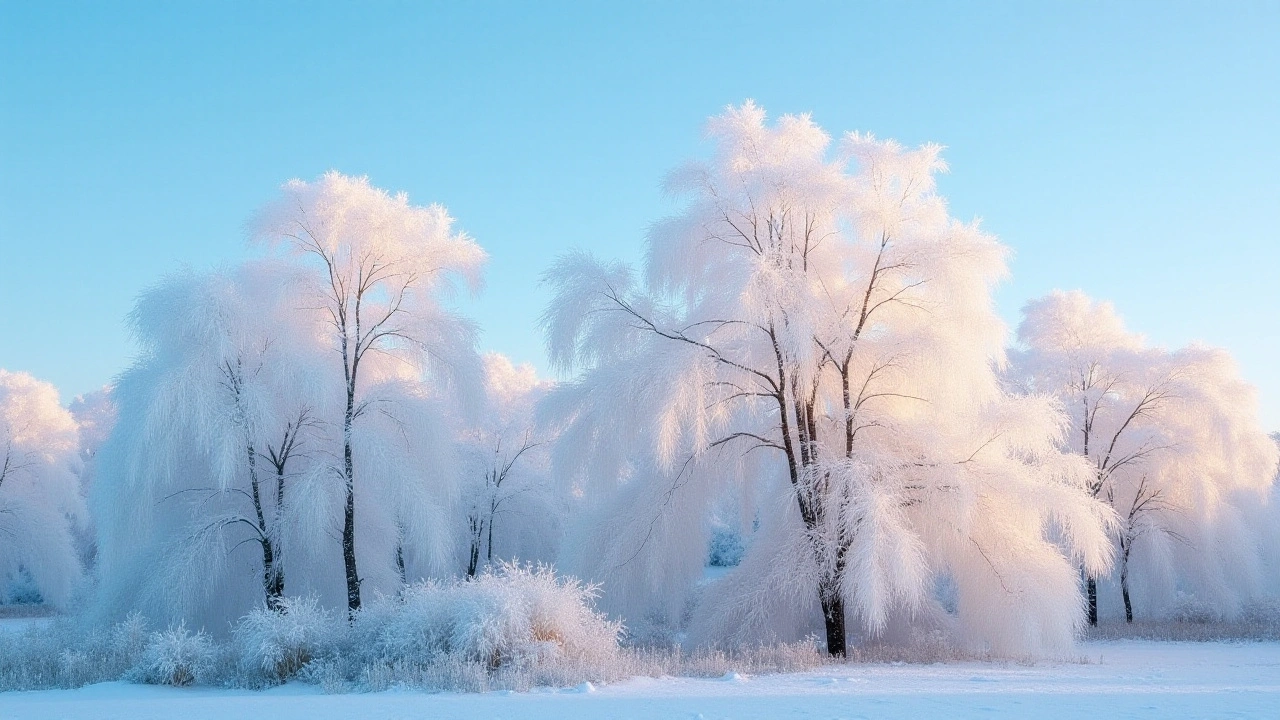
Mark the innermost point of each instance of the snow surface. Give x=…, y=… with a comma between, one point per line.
x=1122, y=679
x=20, y=624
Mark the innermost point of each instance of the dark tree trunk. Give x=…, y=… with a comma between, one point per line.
x=273, y=582
x=349, y=514
x=1092, y=585
x=798, y=459
x=404, y=577
x=1124, y=584
x=1128, y=606
x=489, y=547
x=473, y=560
x=833, y=618
x=274, y=571
x=272, y=576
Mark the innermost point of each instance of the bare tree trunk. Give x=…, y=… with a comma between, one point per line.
x=274, y=570
x=489, y=531
x=349, y=512
x=1092, y=585
x=1124, y=585
x=473, y=560
x=404, y=578
x=828, y=588
x=274, y=582
x=1128, y=606
x=272, y=578
x=833, y=616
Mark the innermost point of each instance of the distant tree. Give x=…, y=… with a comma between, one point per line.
x=507, y=470
x=40, y=501
x=380, y=264
x=95, y=417
x=823, y=322
x=1170, y=437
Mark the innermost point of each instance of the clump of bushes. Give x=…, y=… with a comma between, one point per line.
x=511, y=616
x=176, y=657
x=514, y=626
x=273, y=646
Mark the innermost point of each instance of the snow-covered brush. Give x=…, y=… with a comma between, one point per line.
x=511, y=615
x=177, y=657
x=274, y=645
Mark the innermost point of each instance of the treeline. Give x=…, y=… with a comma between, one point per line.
x=807, y=366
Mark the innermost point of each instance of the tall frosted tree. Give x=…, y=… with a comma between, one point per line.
x=1173, y=443
x=815, y=322
x=379, y=265
x=40, y=501
x=222, y=486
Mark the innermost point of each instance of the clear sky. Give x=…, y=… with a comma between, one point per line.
x=1128, y=149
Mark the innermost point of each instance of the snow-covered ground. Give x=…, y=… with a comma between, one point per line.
x=1121, y=679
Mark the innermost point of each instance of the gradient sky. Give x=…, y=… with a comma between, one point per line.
x=1126, y=149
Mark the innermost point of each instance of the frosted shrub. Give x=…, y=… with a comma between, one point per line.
x=62, y=654
x=726, y=548
x=273, y=646
x=1191, y=609
x=512, y=616
x=101, y=655
x=1263, y=614
x=175, y=657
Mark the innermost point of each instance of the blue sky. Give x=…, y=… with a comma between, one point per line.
x=1126, y=149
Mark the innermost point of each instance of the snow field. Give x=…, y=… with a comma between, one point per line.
x=1114, y=679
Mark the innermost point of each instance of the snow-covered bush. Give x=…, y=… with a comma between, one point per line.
x=272, y=646
x=726, y=547
x=22, y=590
x=1263, y=614
x=176, y=657
x=1191, y=609
x=511, y=616
x=64, y=654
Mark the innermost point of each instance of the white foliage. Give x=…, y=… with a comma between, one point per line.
x=223, y=375
x=236, y=375
x=376, y=267
x=1173, y=443
x=397, y=258
x=813, y=325
x=41, y=506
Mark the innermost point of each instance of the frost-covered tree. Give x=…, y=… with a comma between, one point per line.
x=214, y=417
x=816, y=324
x=508, y=489
x=40, y=501
x=379, y=266
x=222, y=487
x=1172, y=440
